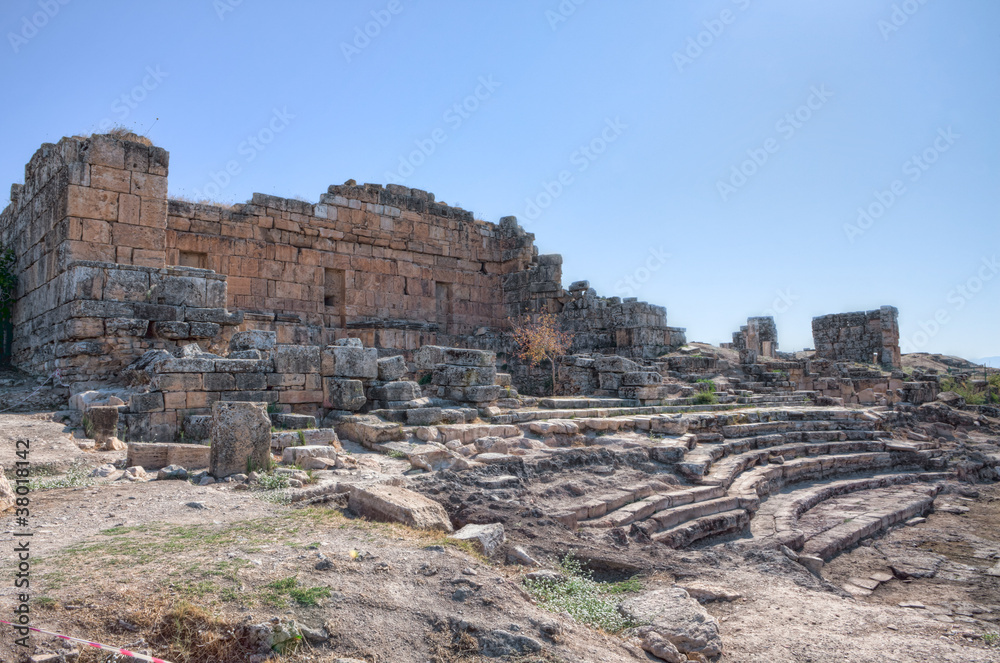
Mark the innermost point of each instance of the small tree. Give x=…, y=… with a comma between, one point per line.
x=538, y=339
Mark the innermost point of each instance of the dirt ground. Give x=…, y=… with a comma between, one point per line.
x=115, y=561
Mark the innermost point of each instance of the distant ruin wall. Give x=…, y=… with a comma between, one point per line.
x=390, y=266
x=862, y=336
x=757, y=338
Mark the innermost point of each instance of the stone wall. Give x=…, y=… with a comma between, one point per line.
x=757, y=338
x=388, y=265
x=862, y=336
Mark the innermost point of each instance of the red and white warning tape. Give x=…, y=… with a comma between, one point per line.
x=117, y=650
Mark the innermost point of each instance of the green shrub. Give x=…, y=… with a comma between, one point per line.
x=426, y=379
x=586, y=600
x=705, y=398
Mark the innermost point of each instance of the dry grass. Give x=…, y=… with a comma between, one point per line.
x=205, y=201
x=121, y=132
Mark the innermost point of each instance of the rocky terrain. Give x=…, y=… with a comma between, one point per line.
x=586, y=529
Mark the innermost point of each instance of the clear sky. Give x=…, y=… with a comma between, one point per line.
x=723, y=158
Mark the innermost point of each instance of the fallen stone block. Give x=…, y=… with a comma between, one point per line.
x=678, y=618
x=395, y=504
x=156, y=455
x=368, y=430
x=487, y=539
x=298, y=455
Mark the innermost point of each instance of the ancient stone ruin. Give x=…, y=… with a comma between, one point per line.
x=357, y=352
x=865, y=336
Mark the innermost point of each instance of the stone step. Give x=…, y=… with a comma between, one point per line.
x=895, y=507
x=673, y=517
x=595, y=507
x=759, y=482
x=717, y=524
x=655, y=503
x=782, y=518
x=585, y=403
x=787, y=426
x=725, y=472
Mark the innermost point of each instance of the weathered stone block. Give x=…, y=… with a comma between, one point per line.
x=465, y=357
x=251, y=381
x=396, y=391
x=296, y=455
x=154, y=456
x=391, y=368
x=609, y=381
x=204, y=330
x=428, y=356
x=296, y=359
x=464, y=376
x=349, y=362
x=486, y=538
x=343, y=394
x=614, y=364
x=243, y=365
x=396, y=504
x=103, y=422
x=151, y=402
x=219, y=382
x=640, y=379
x=186, y=365
x=254, y=339
x=241, y=438
x=424, y=416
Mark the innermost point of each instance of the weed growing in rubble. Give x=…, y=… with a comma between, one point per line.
x=307, y=596
x=76, y=477
x=970, y=393
x=991, y=639
x=586, y=600
x=272, y=481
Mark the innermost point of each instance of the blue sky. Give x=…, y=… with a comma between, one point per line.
x=713, y=157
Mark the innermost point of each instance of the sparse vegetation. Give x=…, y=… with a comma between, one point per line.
x=539, y=339
x=992, y=639
x=586, y=600
x=706, y=393
x=972, y=394
x=425, y=379
x=77, y=476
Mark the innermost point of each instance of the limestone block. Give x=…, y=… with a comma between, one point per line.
x=396, y=391
x=369, y=430
x=155, y=456
x=293, y=421
x=179, y=290
x=391, y=368
x=127, y=285
x=343, y=394
x=424, y=416
x=609, y=381
x=464, y=376
x=503, y=379
x=640, y=379
x=151, y=402
x=348, y=343
x=197, y=427
x=676, y=617
x=172, y=329
x=614, y=364
x=428, y=356
x=204, y=330
x=296, y=455
x=103, y=422
x=396, y=504
x=241, y=438
x=349, y=362
x=488, y=539
x=324, y=436
x=296, y=359
x=219, y=381
x=253, y=339
x=466, y=357
x=243, y=366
